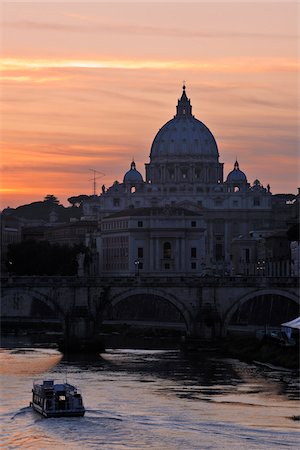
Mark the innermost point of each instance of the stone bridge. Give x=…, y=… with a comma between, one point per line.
x=205, y=304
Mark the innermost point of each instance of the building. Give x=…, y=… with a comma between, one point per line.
x=72, y=233
x=151, y=240
x=183, y=216
x=10, y=234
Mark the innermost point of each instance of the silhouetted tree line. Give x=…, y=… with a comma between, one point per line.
x=41, y=210
x=42, y=258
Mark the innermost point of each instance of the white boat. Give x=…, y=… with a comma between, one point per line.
x=56, y=400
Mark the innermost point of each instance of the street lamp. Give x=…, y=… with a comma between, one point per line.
x=137, y=263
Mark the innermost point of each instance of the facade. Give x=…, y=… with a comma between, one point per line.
x=151, y=240
x=262, y=253
x=183, y=216
x=72, y=233
x=10, y=234
x=34, y=233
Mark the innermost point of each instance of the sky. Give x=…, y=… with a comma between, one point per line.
x=87, y=85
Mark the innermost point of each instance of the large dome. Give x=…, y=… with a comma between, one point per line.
x=184, y=136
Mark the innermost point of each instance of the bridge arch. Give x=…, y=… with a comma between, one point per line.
x=19, y=302
x=251, y=296
x=185, y=313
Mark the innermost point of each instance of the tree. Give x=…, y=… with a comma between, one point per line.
x=73, y=200
x=50, y=198
x=78, y=199
x=42, y=258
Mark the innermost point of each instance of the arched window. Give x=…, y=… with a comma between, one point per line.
x=167, y=250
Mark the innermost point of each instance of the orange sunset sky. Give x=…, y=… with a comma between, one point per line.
x=88, y=85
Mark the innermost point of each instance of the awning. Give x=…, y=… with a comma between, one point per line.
x=292, y=324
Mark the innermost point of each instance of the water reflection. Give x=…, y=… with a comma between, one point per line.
x=151, y=399
x=212, y=373
x=28, y=362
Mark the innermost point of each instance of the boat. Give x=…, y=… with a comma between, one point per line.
x=57, y=400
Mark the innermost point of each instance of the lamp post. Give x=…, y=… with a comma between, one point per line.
x=137, y=263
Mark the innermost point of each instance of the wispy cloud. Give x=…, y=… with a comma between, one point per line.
x=254, y=65
x=97, y=26
x=44, y=153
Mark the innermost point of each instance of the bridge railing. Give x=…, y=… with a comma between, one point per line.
x=150, y=280
x=265, y=269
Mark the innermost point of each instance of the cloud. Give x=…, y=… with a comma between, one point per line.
x=246, y=65
x=43, y=26
x=38, y=151
x=98, y=26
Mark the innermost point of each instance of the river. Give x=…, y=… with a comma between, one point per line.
x=150, y=399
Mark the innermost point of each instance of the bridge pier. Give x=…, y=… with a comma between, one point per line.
x=83, y=322
x=80, y=335
x=204, y=330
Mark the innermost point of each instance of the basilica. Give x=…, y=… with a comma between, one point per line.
x=183, y=216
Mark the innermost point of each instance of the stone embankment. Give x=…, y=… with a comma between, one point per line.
x=265, y=351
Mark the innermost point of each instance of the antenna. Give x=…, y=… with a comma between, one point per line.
x=95, y=178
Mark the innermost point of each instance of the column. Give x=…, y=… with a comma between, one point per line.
x=177, y=256
x=157, y=255
x=182, y=254
x=176, y=173
x=151, y=255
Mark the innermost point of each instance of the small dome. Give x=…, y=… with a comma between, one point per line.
x=133, y=176
x=236, y=175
